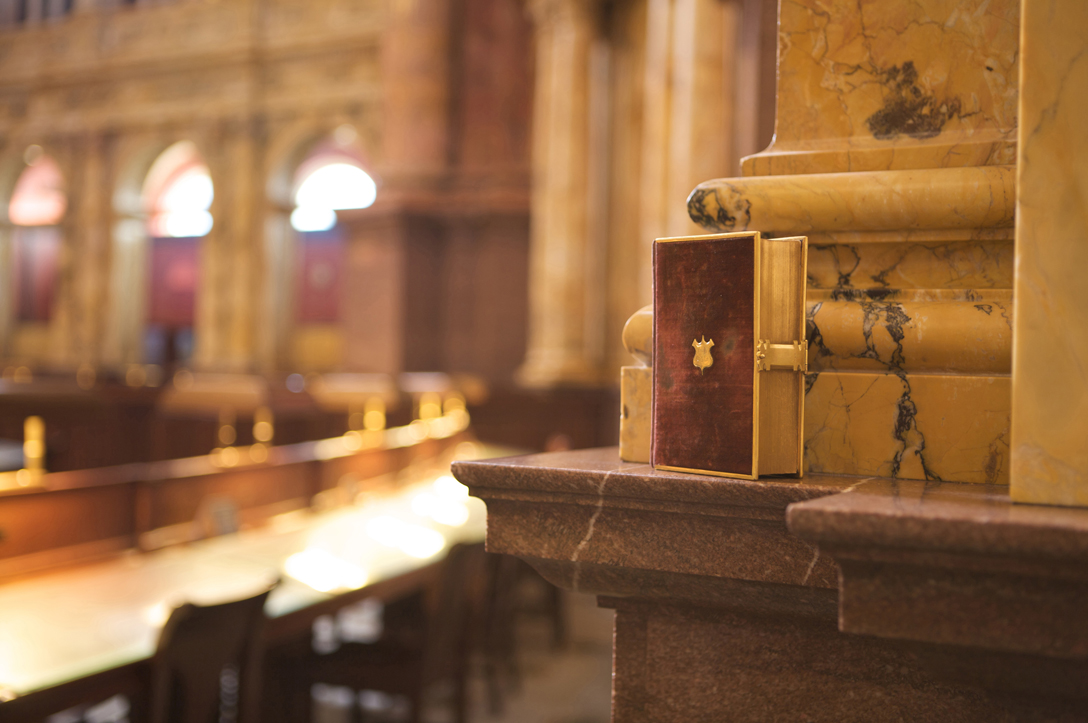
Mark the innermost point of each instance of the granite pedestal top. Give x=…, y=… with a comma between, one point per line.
x=591, y=523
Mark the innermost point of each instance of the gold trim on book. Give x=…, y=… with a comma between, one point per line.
x=757, y=273
x=782, y=356
x=801, y=376
x=691, y=470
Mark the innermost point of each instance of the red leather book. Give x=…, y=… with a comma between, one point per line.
x=729, y=354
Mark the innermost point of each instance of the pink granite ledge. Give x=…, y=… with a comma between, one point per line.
x=589, y=522
x=584, y=472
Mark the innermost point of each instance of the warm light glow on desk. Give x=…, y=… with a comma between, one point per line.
x=442, y=511
x=324, y=571
x=413, y=540
x=156, y=615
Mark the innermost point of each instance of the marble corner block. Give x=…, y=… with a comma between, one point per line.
x=1050, y=382
x=636, y=388
x=908, y=426
x=636, y=394
x=895, y=152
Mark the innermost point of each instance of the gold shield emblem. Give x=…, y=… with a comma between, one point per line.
x=702, y=353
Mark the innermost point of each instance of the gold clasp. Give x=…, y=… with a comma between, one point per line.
x=782, y=356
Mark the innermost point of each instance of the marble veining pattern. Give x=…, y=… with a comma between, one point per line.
x=909, y=426
x=862, y=333
x=955, y=265
x=576, y=556
x=869, y=84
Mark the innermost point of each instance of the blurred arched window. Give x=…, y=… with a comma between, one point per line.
x=37, y=208
x=178, y=194
x=329, y=180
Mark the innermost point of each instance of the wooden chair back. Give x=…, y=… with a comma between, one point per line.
x=206, y=667
x=459, y=592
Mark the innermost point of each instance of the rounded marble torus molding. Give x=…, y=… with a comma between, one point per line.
x=638, y=335
x=931, y=198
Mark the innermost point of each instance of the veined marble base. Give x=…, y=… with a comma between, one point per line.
x=636, y=393
x=908, y=426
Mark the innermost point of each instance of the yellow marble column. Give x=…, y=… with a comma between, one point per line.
x=685, y=117
x=415, y=89
x=894, y=142
x=90, y=248
x=231, y=262
x=1050, y=350
x=7, y=303
x=634, y=106
x=566, y=338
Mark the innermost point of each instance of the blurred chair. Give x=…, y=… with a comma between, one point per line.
x=496, y=625
x=207, y=664
x=425, y=640
x=546, y=601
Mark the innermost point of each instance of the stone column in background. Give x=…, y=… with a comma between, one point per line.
x=374, y=302
x=230, y=259
x=613, y=168
x=7, y=302
x=1050, y=350
x=415, y=92
x=91, y=236
x=690, y=117
x=565, y=338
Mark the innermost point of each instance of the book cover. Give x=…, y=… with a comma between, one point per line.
x=729, y=354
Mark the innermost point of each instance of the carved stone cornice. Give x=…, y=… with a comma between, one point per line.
x=935, y=198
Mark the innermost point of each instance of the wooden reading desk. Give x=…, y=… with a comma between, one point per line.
x=91, y=630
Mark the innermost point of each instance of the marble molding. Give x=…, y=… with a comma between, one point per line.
x=932, y=198
x=1050, y=382
x=845, y=266
x=889, y=334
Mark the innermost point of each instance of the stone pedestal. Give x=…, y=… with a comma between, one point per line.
x=874, y=603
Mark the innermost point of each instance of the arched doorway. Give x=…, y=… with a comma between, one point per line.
x=177, y=196
x=36, y=214
x=330, y=179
